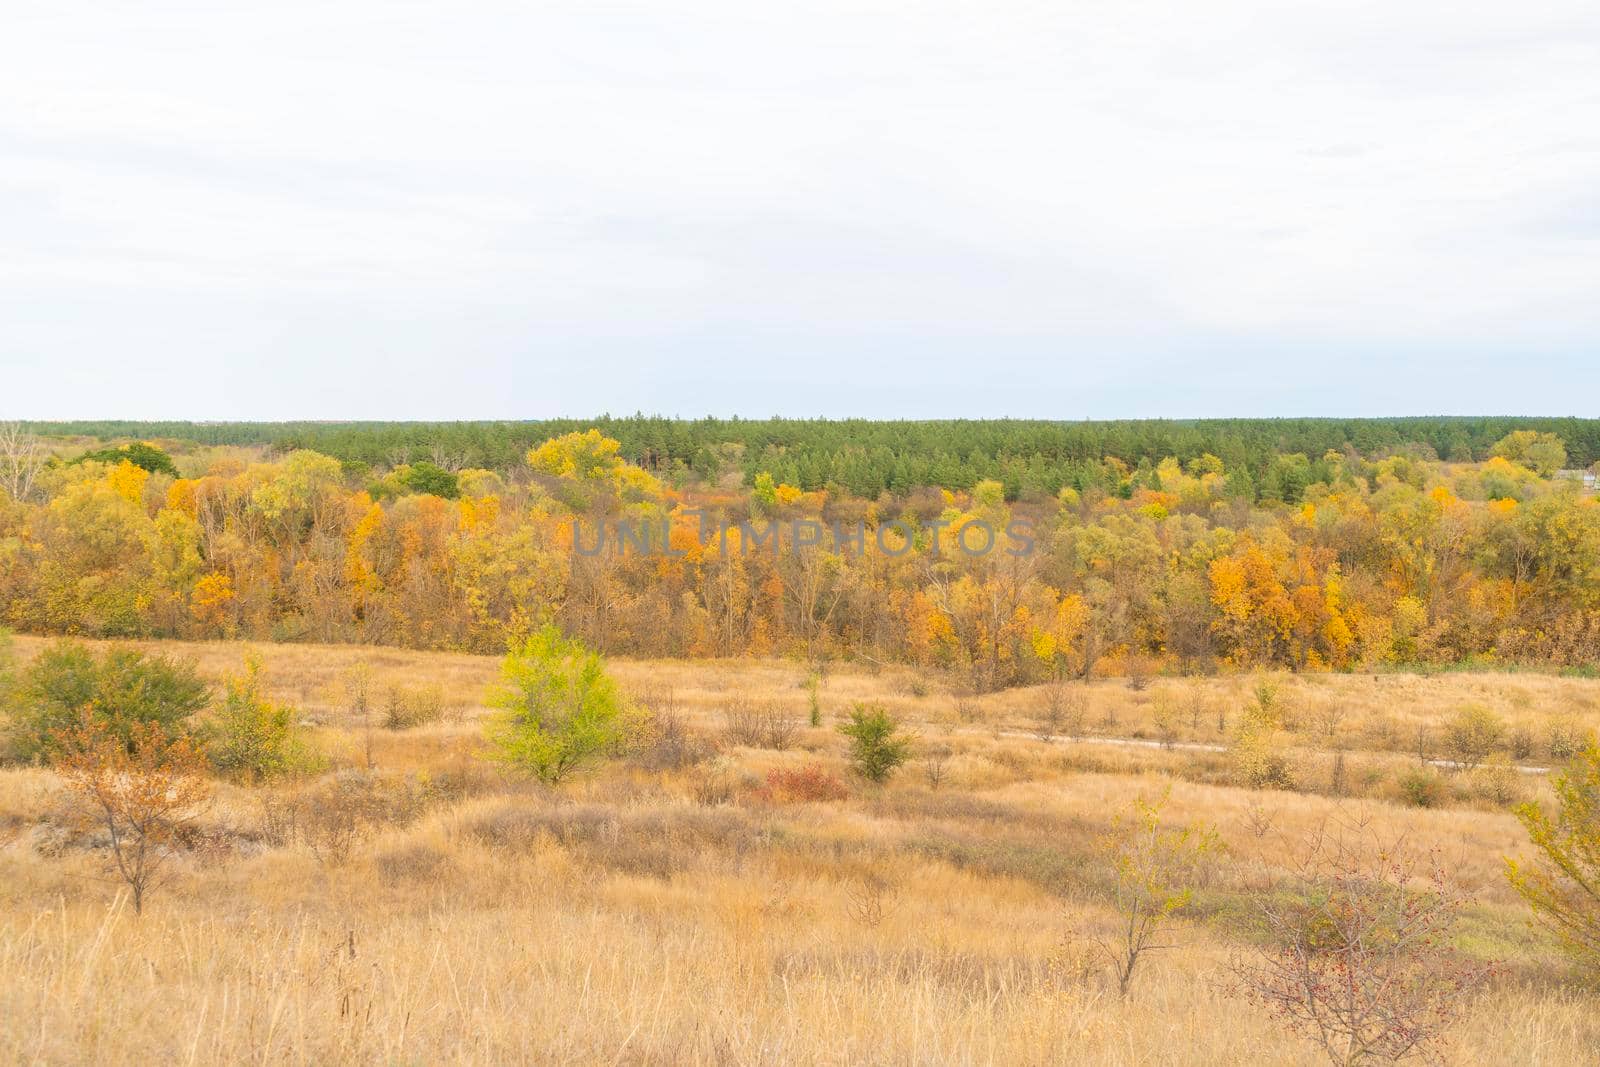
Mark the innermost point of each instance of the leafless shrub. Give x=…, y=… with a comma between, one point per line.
x=666, y=742
x=657, y=698
x=1356, y=952
x=1063, y=712
x=1138, y=673
x=1383, y=732
x=1422, y=745
x=1258, y=818
x=1520, y=741
x=1328, y=718
x=1166, y=722
x=935, y=764
x=333, y=817
x=357, y=683
x=870, y=899
x=1108, y=722
x=1198, y=705
x=718, y=783
x=756, y=723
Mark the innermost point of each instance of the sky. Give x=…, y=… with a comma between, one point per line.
x=397, y=210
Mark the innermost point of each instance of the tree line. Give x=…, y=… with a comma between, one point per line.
x=1392, y=560
x=872, y=457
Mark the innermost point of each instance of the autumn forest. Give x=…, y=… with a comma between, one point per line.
x=1227, y=554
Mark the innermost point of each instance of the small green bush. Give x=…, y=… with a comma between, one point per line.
x=1422, y=788
x=877, y=745
x=253, y=738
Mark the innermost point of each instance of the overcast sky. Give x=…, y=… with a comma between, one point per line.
x=1052, y=209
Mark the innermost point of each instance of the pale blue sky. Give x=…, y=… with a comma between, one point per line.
x=499, y=210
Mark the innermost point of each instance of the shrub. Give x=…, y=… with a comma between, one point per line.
x=760, y=723
x=559, y=708
x=1566, y=740
x=1064, y=711
x=1563, y=884
x=1257, y=752
x=877, y=746
x=1357, y=958
x=717, y=784
x=334, y=816
x=142, y=789
x=1155, y=865
x=1422, y=788
x=253, y=738
x=1138, y=673
x=120, y=689
x=1520, y=741
x=1471, y=735
x=407, y=708
x=1497, y=781
x=666, y=742
x=1258, y=758
x=814, y=698
x=429, y=478
x=8, y=678
x=809, y=784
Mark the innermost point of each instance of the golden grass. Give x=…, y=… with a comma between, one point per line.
x=617, y=920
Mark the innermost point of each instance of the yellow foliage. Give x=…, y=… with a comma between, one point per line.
x=181, y=497
x=127, y=481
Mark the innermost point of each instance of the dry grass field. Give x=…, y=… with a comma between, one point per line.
x=666, y=908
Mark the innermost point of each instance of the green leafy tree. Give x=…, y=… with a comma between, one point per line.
x=558, y=707
x=877, y=745
x=428, y=478
x=764, y=493
x=1541, y=452
x=145, y=456
x=250, y=736
x=1563, y=884
x=119, y=689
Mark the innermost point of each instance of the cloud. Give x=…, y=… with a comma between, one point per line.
x=1124, y=203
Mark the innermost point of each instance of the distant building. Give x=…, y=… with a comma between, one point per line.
x=1587, y=477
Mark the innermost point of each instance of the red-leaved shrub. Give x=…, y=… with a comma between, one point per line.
x=810, y=783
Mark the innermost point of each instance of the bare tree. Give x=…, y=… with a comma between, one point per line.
x=1065, y=708
x=21, y=460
